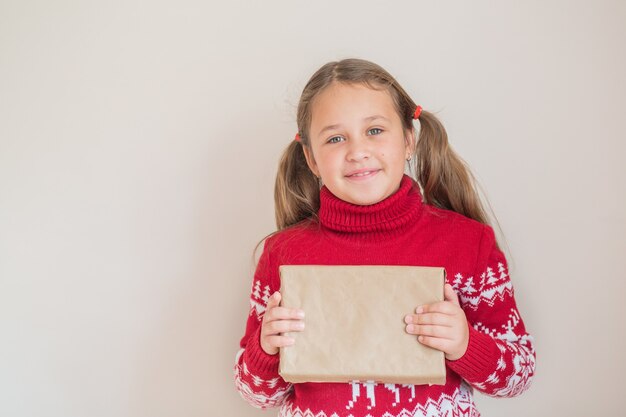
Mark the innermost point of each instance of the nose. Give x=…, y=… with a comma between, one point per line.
x=358, y=149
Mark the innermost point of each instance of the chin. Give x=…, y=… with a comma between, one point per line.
x=368, y=201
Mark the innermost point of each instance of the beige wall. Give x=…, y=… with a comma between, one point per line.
x=138, y=147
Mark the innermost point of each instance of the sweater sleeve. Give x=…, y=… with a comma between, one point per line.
x=256, y=372
x=500, y=357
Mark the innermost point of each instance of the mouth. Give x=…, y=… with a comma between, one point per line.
x=363, y=174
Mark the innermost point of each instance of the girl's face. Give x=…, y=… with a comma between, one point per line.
x=358, y=144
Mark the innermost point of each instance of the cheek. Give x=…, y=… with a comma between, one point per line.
x=327, y=161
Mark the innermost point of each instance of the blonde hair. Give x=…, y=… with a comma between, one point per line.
x=445, y=178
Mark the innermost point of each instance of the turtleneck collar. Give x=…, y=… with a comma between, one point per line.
x=387, y=218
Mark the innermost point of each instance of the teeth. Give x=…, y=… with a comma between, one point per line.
x=362, y=174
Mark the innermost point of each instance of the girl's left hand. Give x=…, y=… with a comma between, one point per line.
x=441, y=325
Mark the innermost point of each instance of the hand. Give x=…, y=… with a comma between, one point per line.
x=278, y=320
x=441, y=325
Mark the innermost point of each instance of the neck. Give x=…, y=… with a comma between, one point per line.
x=387, y=218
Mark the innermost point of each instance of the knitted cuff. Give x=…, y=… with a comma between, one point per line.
x=480, y=358
x=260, y=363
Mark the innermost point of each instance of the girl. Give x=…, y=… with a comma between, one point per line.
x=342, y=198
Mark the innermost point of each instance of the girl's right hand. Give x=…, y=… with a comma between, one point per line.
x=278, y=320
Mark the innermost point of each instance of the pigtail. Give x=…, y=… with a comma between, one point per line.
x=296, y=192
x=297, y=189
x=447, y=181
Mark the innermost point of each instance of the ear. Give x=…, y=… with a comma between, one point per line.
x=310, y=160
x=409, y=142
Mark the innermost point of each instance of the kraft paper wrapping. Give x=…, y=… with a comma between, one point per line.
x=354, y=324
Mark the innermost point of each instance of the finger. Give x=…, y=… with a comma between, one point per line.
x=280, y=341
x=428, y=330
x=450, y=295
x=273, y=301
x=429, y=318
x=284, y=313
x=445, y=307
x=434, y=342
x=283, y=326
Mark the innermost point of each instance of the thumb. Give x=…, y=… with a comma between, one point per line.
x=273, y=301
x=450, y=295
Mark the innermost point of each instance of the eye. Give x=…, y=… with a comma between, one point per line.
x=376, y=131
x=332, y=140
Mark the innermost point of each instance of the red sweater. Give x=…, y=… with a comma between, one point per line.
x=400, y=230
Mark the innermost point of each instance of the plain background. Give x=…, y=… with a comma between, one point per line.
x=138, y=148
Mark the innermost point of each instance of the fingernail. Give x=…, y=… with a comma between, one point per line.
x=299, y=325
x=409, y=328
x=300, y=314
x=407, y=319
x=419, y=309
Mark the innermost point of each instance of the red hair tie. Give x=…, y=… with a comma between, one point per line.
x=297, y=138
x=417, y=113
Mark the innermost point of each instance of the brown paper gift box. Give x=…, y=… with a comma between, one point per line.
x=354, y=324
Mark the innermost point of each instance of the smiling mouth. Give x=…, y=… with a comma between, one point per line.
x=363, y=174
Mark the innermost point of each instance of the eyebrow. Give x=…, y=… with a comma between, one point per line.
x=367, y=119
